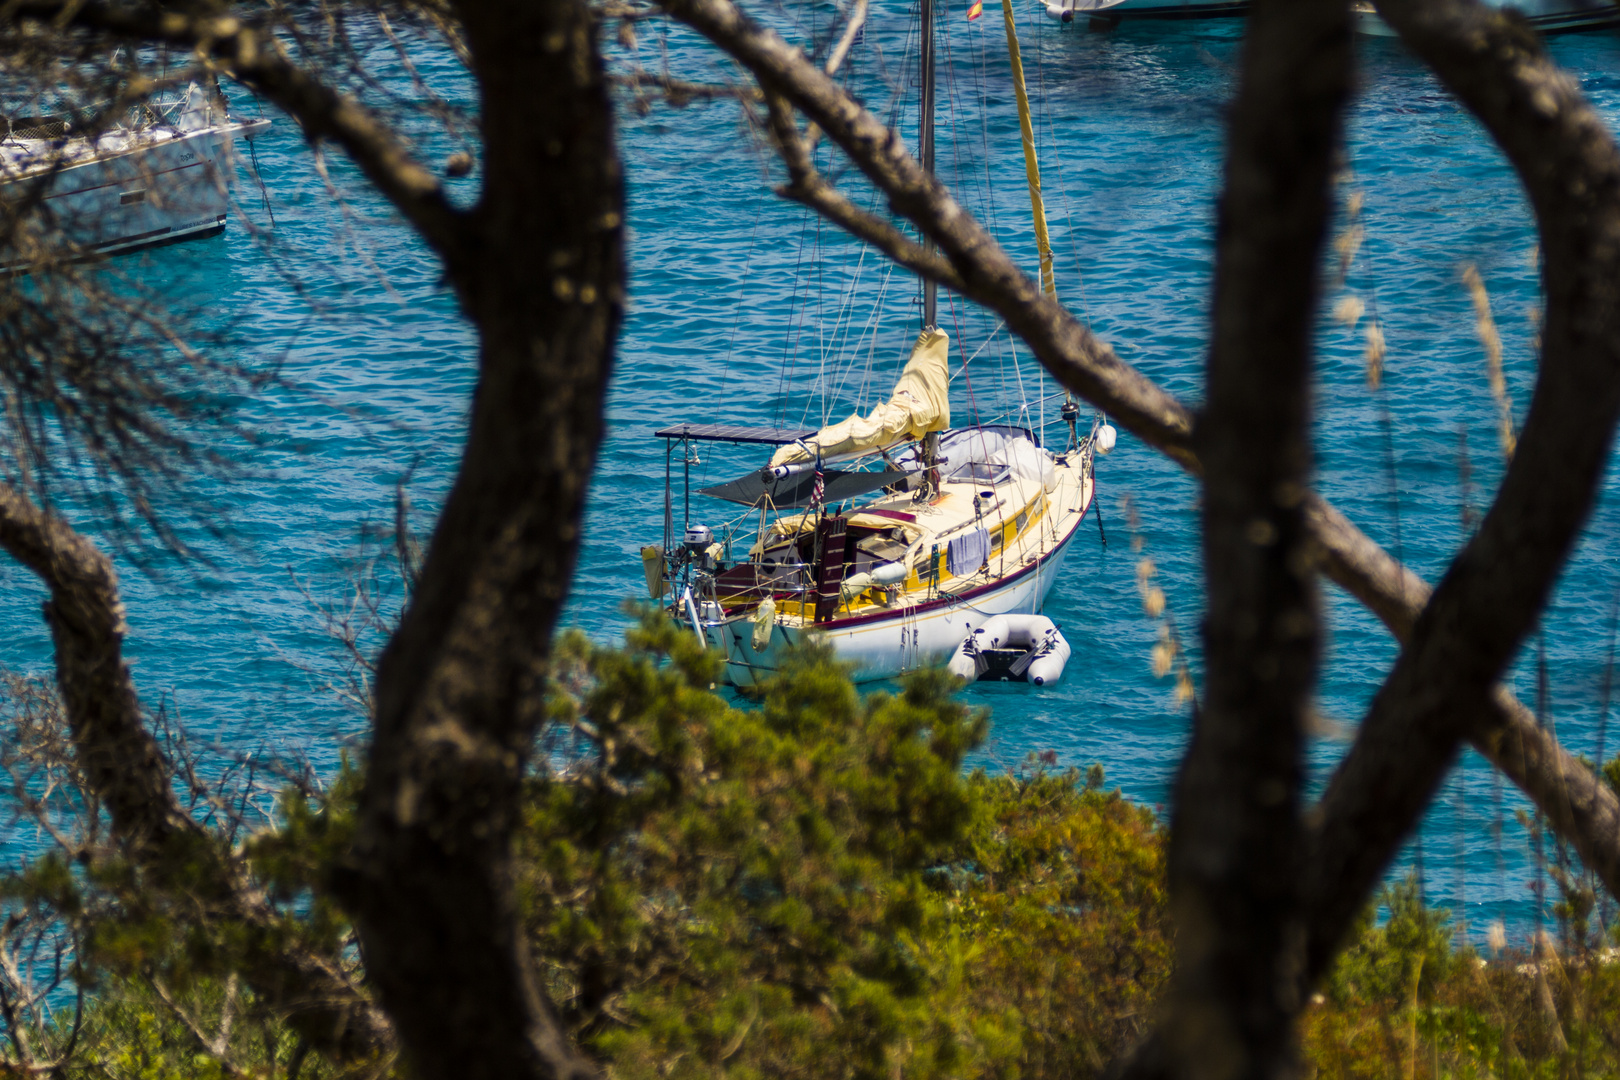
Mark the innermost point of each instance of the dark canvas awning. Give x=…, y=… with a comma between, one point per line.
x=795, y=489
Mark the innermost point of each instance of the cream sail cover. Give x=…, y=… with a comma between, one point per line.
x=921, y=403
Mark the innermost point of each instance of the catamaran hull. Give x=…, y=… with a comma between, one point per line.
x=888, y=645
x=1548, y=16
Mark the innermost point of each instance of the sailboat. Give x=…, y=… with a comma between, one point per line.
x=889, y=536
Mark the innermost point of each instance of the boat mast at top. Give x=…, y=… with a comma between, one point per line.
x=925, y=137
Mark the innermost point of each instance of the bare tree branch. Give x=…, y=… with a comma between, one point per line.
x=1578, y=802
x=124, y=768
x=835, y=60
x=626, y=12
x=807, y=186
x=680, y=91
x=120, y=760
x=1079, y=362
x=1236, y=839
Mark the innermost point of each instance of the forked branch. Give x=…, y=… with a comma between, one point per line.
x=1083, y=364
x=807, y=186
x=1496, y=588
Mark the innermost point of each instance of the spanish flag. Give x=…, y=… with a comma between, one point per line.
x=976, y=10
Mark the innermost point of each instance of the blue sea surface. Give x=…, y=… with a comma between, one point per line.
x=745, y=308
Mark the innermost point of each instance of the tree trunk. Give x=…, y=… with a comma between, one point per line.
x=460, y=687
x=1235, y=840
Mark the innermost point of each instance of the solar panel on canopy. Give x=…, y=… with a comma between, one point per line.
x=735, y=433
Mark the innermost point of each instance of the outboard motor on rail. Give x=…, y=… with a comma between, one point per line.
x=698, y=542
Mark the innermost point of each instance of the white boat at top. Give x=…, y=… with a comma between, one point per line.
x=161, y=177
x=1548, y=16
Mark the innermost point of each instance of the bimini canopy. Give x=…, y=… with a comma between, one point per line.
x=921, y=403
x=797, y=487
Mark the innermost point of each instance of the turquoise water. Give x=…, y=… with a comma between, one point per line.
x=744, y=308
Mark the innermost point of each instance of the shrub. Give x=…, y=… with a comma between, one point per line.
x=814, y=887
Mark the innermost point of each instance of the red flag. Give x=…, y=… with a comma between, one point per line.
x=976, y=10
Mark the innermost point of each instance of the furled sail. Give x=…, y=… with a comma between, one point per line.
x=921, y=403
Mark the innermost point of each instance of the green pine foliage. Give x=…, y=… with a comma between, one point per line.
x=1407, y=999
x=809, y=884
x=813, y=887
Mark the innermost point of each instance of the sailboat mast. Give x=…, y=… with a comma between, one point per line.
x=925, y=136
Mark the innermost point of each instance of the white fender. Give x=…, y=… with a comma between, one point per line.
x=764, y=624
x=890, y=573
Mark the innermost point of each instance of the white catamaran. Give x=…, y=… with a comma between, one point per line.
x=921, y=533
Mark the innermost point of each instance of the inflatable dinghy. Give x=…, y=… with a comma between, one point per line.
x=1012, y=648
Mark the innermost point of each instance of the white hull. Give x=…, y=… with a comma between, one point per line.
x=1116, y=10
x=888, y=647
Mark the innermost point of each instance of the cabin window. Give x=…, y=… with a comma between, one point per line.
x=979, y=472
x=138, y=195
